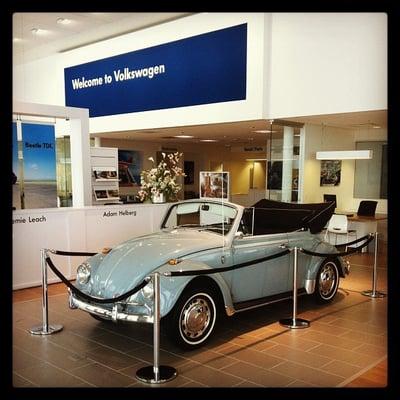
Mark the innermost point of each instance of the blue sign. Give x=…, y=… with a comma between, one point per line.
x=39, y=152
x=203, y=69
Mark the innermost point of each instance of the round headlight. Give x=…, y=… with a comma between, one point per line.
x=83, y=273
x=148, y=290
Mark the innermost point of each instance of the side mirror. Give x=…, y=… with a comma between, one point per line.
x=239, y=235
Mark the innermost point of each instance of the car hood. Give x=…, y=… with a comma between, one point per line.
x=130, y=262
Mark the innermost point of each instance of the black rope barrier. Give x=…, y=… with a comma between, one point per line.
x=71, y=253
x=341, y=254
x=85, y=296
x=356, y=241
x=225, y=269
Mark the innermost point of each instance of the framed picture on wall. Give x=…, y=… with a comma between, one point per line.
x=274, y=180
x=330, y=172
x=214, y=185
x=129, y=167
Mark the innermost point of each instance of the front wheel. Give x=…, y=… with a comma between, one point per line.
x=193, y=318
x=327, y=282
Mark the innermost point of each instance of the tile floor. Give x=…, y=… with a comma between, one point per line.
x=345, y=339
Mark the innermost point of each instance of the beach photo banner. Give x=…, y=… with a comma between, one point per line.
x=39, y=166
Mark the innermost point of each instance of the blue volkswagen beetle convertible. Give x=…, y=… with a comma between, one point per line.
x=204, y=235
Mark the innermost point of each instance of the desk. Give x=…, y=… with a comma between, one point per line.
x=342, y=212
x=364, y=225
x=364, y=218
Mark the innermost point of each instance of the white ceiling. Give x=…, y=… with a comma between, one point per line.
x=244, y=131
x=86, y=28
x=82, y=29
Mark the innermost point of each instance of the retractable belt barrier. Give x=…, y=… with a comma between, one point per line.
x=368, y=238
x=225, y=269
x=85, y=296
x=160, y=373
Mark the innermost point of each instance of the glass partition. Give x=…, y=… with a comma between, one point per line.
x=370, y=178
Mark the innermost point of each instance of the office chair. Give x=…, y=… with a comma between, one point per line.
x=330, y=197
x=338, y=225
x=367, y=208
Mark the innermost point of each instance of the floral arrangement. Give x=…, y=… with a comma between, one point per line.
x=161, y=179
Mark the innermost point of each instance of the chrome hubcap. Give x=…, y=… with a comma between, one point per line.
x=327, y=280
x=195, y=317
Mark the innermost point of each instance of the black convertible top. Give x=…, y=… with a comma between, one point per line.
x=272, y=216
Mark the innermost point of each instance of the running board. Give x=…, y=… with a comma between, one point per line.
x=249, y=304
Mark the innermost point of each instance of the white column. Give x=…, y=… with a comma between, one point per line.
x=287, y=165
x=97, y=141
x=80, y=162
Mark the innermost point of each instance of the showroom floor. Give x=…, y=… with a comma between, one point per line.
x=346, y=340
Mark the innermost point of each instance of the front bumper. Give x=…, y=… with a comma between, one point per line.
x=115, y=314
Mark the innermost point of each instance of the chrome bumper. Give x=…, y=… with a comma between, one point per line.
x=115, y=314
x=347, y=267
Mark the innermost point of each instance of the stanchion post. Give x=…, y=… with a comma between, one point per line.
x=45, y=328
x=294, y=322
x=156, y=373
x=374, y=293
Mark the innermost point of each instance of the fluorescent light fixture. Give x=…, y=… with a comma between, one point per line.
x=208, y=140
x=344, y=155
x=184, y=136
x=256, y=159
x=264, y=131
x=39, y=32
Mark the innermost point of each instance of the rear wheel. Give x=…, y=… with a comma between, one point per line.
x=193, y=319
x=327, y=282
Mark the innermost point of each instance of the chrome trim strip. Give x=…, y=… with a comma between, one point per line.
x=113, y=314
x=347, y=267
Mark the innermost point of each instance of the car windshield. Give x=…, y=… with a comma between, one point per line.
x=208, y=216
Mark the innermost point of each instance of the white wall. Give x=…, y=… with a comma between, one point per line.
x=325, y=63
x=298, y=64
x=332, y=138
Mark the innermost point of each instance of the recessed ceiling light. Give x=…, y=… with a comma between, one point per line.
x=63, y=21
x=38, y=31
x=184, y=136
x=208, y=140
x=376, y=127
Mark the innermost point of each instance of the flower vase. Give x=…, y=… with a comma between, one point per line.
x=158, y=198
